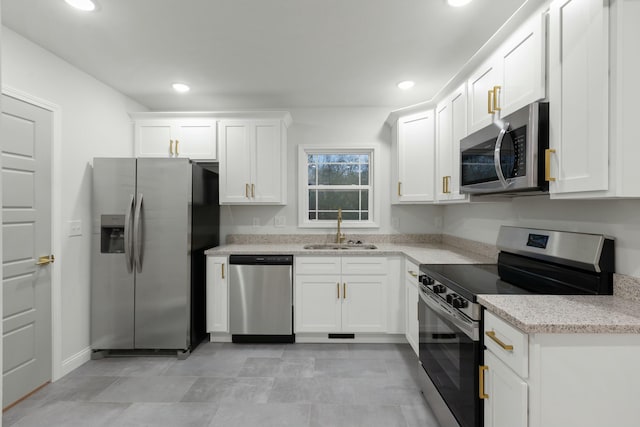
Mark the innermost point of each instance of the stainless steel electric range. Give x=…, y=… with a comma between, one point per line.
x=531, y=261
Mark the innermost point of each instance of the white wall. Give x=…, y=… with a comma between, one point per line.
x=617, y=218
x=94, y=123
x=344, y=126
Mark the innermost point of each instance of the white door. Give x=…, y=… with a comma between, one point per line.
x=318, y=303
x=364, y=304
x=235, y=162
x=411, y=308
x=482, y=87
x=217, y=294
x=26, y=236
x=458, y=131
x=195, y=139
x=154, y=138
x=444, y=141
x=578, y=95
x=506, y=402
x=267, y=161
x=416, y=158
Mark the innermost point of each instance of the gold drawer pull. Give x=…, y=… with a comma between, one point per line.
x=177, y=142
x=399, y=188
x=44, y=260
x=489, y=103
x=344, y=290
x=171, y=147
x=495, y=98
x=492, y=335
x=253, y=190
x=547, y=165
x=246, y=190
x=223, y=270
x=482, y=394
x=413, y=273
x=338, y=288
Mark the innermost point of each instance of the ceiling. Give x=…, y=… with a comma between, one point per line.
x=238, y=54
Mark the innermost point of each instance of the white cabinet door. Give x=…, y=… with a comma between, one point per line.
x=412, y=326
x=235, y=161
x=416, y=158
x=481, y=87
x=522, y=59
x=451, y=127
x=364, y=303
x=153, y=138
x=506, y=404
x=318, y=303
x=217, y=295
x=196, y=139
x=578, y=95
x=269, y=160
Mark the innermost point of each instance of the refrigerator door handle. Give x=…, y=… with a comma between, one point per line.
x=128, y=237
x=137, y=234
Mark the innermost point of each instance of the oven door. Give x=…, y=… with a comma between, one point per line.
x=449, y=351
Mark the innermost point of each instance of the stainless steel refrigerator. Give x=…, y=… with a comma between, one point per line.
x=153, y=220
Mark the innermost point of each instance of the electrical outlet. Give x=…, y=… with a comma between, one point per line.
x=256, y=222
x=75, y=228
x=395, y=222
x=280, y=221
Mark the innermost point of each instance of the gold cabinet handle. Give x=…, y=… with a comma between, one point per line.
x=171, y=147
x=489, y=102
x=223, y=270
x=492, y=335
x=449, y=184
x=253, y=190
x=444, y=184
x=44, y=260
x=246, y=190
x=481, y=393
x=413, y=273
x=344, y=290
x=338, y=289
x=547, y=164
x=496, y=107
x=177, y=142
x=399, y=188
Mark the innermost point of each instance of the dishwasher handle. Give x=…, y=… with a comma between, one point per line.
x=261, y=260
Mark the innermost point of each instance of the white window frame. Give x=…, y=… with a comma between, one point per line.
x=303, y=186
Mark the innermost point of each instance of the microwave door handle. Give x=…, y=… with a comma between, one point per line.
x=496, y=155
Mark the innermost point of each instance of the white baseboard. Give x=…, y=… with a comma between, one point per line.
x=75, y=361
x=359, y=338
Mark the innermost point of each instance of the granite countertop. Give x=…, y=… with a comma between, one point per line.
x=560, y=314
x=431, y=253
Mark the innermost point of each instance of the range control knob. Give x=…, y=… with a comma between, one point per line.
x=460, y=302
x=426, y=280
x=439, y=289
x=451, y=297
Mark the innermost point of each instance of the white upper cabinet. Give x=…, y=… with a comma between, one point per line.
x=415, y=157
x=253, y=165
x=593, y=94
x=451, y=127
x=192, y=138
x=510, y=79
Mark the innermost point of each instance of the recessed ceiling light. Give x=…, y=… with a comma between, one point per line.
x=85, y=5
x=180, y=87
x=458, y=3
x=407, y=84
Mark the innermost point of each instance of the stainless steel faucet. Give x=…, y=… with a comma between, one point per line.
x=340, y=237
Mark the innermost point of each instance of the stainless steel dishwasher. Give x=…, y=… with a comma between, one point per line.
x=261, y=298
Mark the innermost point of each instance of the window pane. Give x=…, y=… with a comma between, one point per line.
x=312, y=215
x=312, y=200
x=332, y=215
x=365, y=199
x=351, y=216
x=312, y=174
x=338, y=199
x=338, y=174
x=364, y=174
x=364, y=216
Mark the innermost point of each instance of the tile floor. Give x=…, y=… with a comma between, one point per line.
x=233, y=385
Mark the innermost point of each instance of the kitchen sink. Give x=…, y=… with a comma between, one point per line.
x=336, y=246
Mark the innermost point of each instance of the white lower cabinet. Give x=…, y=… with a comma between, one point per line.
x=217, y=295
x=329, y=299
x=411, y=304
x=558, y=379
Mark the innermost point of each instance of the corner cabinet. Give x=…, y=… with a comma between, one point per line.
x=253, y=161
x=340, y=294
x=217, y=294
x=163, y=136
x=559, y=379
x=415, y=156
x=451, y=127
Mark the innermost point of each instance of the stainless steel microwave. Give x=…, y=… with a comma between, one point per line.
x=508, y=155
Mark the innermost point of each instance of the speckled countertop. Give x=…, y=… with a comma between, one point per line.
x=560, y=314
x=431, y=253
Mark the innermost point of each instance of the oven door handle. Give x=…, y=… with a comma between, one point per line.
x=470, y=329
x=496, y=155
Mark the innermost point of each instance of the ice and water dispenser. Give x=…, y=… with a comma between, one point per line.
x=112, y=234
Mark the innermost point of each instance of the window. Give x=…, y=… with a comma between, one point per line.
x=336, y=179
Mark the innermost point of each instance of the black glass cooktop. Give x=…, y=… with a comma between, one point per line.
x=470, y=280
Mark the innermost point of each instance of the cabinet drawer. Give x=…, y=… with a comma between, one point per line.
x=364, y=265
x=317, y=265
x=508, y=343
